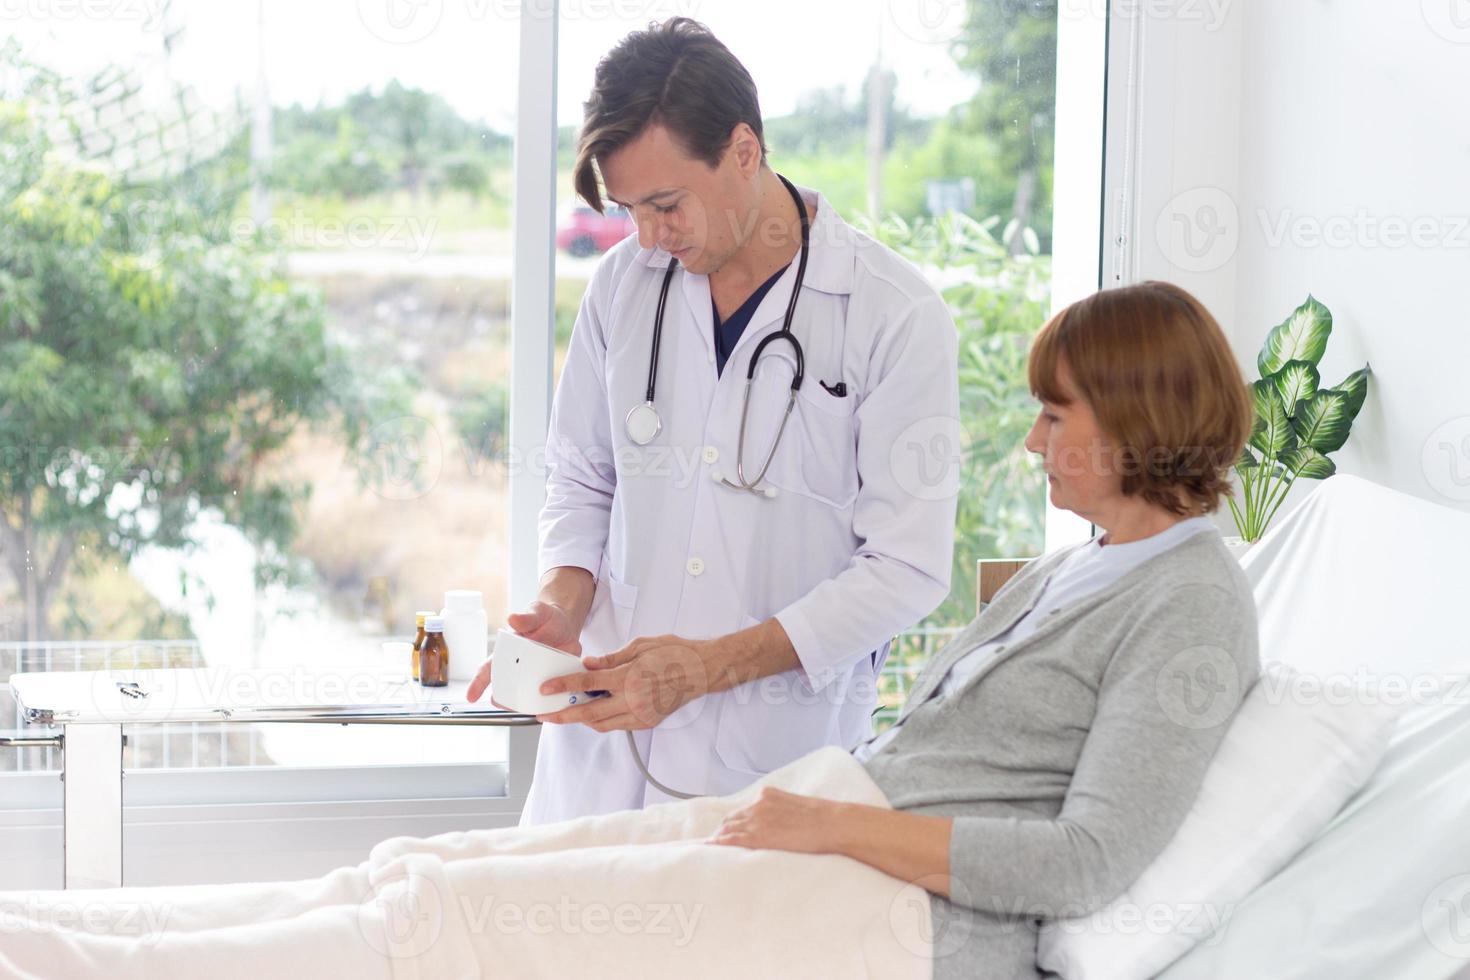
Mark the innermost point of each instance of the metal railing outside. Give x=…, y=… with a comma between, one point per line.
x=185, y=745
x=911, y=650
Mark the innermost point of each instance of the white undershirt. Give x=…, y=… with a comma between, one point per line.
x=1086, y=571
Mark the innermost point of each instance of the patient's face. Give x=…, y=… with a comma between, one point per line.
x=1076, y=455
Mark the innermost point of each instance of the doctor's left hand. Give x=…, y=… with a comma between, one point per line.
x=647, y=680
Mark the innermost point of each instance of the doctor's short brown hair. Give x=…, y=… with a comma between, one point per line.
x=1159, y=375
x=675, y=73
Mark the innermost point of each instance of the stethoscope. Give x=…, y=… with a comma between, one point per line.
x=643, y=422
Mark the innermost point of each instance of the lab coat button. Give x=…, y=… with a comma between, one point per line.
x=711, y=454
x=695, y=566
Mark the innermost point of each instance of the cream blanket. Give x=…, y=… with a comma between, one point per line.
x=567, y=900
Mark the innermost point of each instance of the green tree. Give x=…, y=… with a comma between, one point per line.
x=150, y=366
x=998, y=300
x=1012, y=46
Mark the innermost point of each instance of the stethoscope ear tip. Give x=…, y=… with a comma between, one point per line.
x=770, y=492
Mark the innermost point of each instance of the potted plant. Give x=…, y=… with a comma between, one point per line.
x=1297, y=421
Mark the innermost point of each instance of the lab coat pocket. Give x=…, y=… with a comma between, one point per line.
x=818, y=453
x=610, y=620
x=768, y=722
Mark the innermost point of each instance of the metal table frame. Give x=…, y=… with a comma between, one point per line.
x=92, y=770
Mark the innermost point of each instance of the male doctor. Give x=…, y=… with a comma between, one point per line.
x=736, y=596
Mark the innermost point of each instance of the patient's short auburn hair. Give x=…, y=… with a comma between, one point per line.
x=1157, y=372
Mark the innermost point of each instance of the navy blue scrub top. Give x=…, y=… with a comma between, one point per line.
x=727, y=334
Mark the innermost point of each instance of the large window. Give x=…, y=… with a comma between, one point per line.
x=256, y=268
x=254, y=311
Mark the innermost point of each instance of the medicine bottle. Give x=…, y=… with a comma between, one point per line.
x=434, y=654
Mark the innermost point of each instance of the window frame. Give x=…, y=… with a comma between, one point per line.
x=436, y=796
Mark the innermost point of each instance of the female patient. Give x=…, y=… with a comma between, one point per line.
x=1045, y=756
x=1048, y=753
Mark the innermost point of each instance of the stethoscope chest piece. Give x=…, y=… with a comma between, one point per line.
x=643, y=423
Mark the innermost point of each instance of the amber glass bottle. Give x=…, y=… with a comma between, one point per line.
x=434, y=654
x=418, y=639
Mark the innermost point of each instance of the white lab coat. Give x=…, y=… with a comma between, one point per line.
x=855, y=547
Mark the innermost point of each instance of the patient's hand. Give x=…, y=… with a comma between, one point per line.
x=783, y=821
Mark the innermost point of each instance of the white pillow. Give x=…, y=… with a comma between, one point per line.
x=1296, y=751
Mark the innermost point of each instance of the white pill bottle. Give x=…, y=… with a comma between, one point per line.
x=466, y=632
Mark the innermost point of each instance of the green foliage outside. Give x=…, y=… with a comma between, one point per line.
x=150, y=365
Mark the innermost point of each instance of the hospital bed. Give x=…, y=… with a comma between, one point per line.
x=1358, y=581
x=1364, y=582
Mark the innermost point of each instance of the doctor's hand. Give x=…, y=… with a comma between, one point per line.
x=647, y=680
x=782, y=821
x=544, y=623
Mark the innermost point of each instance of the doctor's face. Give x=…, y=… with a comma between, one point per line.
x=701, y=215
x=1075, y=453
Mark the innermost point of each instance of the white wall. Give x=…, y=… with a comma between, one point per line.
x=1327, y=144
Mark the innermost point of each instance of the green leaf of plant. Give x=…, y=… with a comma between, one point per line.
x=1355, y=387
x=1300, y=337
x=1322, y=422
x=1246, y=460
x=1273, y=433
x=1306, y=461
x=1296, y=381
